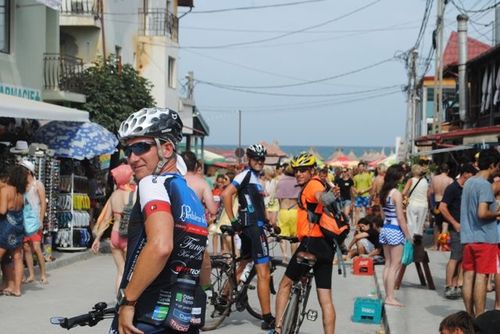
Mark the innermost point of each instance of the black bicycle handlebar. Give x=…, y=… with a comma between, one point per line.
x=90, y=319
x=284, y=237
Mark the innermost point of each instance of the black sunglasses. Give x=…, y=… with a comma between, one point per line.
x=300, y=169
x=259, y=159
x=138, y=148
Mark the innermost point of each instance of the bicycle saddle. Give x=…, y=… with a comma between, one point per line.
x=227, y=229
x=306, y=258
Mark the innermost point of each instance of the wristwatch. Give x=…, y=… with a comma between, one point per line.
x=122, y=299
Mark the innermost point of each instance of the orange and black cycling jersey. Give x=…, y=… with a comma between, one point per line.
x=307, y=196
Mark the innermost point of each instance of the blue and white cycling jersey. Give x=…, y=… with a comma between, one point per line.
x=252, y=209
x=170, y=193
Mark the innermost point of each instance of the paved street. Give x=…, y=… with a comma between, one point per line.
x=74, y=288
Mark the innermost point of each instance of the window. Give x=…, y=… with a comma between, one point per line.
x=172, y=77
x=5, y=26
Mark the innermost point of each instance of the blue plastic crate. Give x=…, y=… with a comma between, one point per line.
x=367, y=310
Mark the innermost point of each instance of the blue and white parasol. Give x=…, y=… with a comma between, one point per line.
x=76, y=140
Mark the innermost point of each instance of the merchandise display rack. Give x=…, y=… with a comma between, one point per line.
x=72, y=219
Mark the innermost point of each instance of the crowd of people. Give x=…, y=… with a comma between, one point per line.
x=22, y=210
x=165, y=211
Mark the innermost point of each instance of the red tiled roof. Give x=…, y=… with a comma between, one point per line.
x=474, y=49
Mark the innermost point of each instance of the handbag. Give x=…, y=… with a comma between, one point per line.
x=407, y=257
x=123, y=227
x=31, y=220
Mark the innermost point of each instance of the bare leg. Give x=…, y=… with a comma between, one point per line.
x=480, y=293
x=28, y=257
x=206, y=269
x=119, y=258
x=281, y=300
x=263, y=289
x=390, y=272
x=328, y=310
x=450, y=272
x=41, y=261
x=497, y=292
x=467, y=291
x=215, y=243
x=283, y=249
x=15, y=284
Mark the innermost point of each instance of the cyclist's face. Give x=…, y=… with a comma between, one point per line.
x=256, y=164
x=302, y=175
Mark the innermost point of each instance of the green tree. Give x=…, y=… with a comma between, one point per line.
x=113, y=93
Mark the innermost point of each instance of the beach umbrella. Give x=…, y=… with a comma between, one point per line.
x=76, y=140
x=340, y=161
x=211, y=158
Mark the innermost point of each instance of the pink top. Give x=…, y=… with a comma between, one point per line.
x=287, y=187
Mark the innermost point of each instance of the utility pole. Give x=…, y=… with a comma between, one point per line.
x=239, y=134
x=411, y=122
x=438, y=77
x=462, y=61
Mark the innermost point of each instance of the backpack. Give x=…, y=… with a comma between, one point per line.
x=333, y=223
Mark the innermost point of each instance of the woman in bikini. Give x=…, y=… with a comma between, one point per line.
x=11, y=225
x=394, y=232
x=113, y=213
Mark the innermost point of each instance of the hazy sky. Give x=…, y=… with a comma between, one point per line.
x=320, y=72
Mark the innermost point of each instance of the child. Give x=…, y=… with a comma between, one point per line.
x=365, y=239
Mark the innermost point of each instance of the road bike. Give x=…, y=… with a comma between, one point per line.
x=99, y=312
x=228, y=292
x=296, y=307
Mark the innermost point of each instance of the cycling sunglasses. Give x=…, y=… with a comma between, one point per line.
x=138, y=148
x=301, y=170
x=259, y=159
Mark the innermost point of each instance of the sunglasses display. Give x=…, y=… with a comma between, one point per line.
x=138, y=148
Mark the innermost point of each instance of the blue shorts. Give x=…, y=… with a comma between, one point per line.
x=254, y=244
x=391, y=235
x=362, y=201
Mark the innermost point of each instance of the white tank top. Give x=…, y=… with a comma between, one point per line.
x=32, y=196
x=419, y=195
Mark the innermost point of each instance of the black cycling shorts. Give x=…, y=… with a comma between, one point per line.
x=254, y=244
x=324, y=264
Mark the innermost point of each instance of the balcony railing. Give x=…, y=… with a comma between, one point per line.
x=158, y=22
x=62, y=72
x=80, y=7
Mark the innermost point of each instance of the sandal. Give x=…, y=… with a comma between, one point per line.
x=11, y=294
x=27, y=280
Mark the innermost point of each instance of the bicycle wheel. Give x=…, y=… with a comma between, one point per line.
x=302, y=305
x=253, y=306
x=290, y=315
x=219, y=299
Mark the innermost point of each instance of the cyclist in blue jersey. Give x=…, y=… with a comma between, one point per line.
x=167, y=235
x=250, y=224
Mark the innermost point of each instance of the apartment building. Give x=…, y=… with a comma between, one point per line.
x=144, y=33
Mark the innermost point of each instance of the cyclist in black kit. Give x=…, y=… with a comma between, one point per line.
x=167, y=236
x=250, y=223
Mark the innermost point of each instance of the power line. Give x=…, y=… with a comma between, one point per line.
x=305, y=82
x=211, y=11
x=475, y=11
x=309, y=106
x=358, y=92
x=392, y=27
x=285, y=34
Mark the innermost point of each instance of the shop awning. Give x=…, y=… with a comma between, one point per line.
x=16, y=107
x=444, y=150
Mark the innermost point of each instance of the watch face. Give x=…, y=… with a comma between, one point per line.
x=121, y=296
